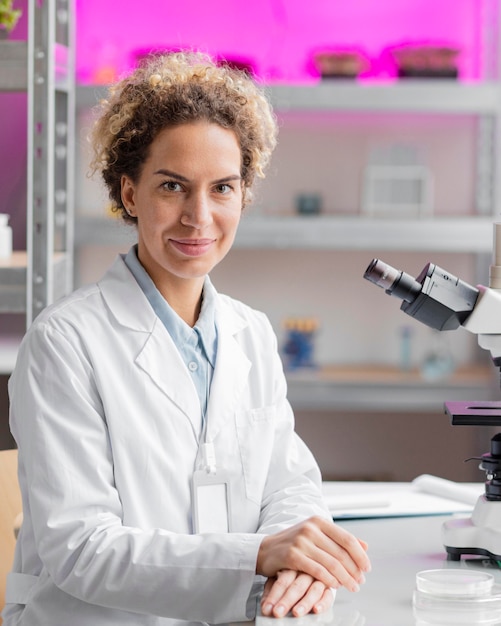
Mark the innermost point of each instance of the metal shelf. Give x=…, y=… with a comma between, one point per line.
x=382, y=388
x=9, y=347
x=418, y=96
x=43, y=67
x=89, y=95
x=13, y=65
x=468, y=234
x=103, y=231
x=413, y=96
x=455, y=234
x=13, y=280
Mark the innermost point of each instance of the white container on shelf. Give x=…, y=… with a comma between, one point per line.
x=5, y=237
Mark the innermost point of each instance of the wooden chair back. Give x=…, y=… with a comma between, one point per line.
x=10, y=509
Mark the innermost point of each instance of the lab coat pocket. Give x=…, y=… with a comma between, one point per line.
x=255, y=433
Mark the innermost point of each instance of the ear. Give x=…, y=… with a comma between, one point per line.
x=128, y=192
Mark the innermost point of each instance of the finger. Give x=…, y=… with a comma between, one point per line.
x=317, y=564
x=325, y=602
x=354, y=547
x=325, y=542
x=322, y=566
x=266, y=589
x=363, y=543
x=311, y=598
x=342, y=547
x=275, y=588
x=295, y=593
x=341, y=568
x=332, y=556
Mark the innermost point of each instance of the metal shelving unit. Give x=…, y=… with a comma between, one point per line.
x=465, y=234
x=389, y=389
x=418, y=96
x=361, y=233
x=462, y=234
x=43, y=66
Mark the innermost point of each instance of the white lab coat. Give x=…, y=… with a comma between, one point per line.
x=107, y=420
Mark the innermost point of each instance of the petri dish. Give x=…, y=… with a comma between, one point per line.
x=454, y=583
x=456, y=597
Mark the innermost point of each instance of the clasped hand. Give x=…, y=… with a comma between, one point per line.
x=303, y=563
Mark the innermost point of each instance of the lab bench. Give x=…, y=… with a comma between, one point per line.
x=399, y=548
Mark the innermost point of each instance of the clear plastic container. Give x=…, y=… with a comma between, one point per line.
x=454, y=583
x=5, y=237
x=456, y=596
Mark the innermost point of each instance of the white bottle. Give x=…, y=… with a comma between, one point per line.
x=5, y=237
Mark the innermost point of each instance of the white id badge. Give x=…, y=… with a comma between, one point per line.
x=211, y=502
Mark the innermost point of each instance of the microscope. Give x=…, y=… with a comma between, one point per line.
x=444, y=302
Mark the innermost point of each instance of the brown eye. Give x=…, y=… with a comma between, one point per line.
x=171, y=185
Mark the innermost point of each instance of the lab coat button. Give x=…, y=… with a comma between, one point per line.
x=192, y=366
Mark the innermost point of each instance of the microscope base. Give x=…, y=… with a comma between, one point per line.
x=479, y=534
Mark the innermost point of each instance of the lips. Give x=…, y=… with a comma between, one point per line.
x=192, y=247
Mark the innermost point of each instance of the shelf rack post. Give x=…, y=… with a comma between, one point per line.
x=488, y=162
x=51, y=108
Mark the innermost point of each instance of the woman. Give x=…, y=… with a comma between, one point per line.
x=161, y=476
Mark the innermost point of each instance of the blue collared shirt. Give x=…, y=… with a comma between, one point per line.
x=198, y=345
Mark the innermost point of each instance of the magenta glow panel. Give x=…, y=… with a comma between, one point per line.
x=278, y=36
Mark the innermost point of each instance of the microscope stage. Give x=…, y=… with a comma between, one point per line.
x=486, y=413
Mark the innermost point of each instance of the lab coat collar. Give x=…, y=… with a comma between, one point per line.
x=159, y=355
x=126, y=299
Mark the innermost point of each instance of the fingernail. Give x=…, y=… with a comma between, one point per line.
x=355, y=588
x=361, y=579
x=318, y=608
x=299, y=610
x=279, y=610
x=267, y=608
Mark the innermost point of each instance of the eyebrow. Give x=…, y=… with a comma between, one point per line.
x=183, y=179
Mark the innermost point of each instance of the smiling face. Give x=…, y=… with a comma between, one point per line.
x=188, y=203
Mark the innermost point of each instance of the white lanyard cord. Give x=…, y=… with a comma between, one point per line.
x=208, y=452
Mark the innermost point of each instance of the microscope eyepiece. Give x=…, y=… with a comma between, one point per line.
x=435, y=298
x=381, y=274
x=393, y=281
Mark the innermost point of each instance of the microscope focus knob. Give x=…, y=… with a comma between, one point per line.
x=496, y=445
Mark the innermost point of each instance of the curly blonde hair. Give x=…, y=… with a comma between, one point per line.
x=173, y=89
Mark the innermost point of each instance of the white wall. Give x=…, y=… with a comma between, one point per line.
x=327, y=153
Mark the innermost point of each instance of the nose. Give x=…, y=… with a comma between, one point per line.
x=197, y=211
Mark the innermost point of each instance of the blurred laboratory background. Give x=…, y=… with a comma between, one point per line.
x=389, y=148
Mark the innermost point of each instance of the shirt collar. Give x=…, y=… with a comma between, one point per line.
x=180, y=331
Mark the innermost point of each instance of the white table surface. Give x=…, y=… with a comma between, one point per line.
x=398, y=548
